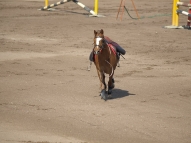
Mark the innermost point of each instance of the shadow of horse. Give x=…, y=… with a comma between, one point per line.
x=118, y=93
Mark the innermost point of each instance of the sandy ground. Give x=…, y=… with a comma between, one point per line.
x=48, y=96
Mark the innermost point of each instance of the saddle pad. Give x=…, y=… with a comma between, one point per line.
x=113, y=49
x=115, y=45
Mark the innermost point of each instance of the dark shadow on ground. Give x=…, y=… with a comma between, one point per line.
x=118, y=93
x=76, y=12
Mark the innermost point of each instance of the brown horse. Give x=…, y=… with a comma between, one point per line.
x=105, y=60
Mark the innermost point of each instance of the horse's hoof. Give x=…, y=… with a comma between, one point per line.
x=118, y=64
x=110, y=96
x=88, y=68
x=103, y=95
x=109, y=91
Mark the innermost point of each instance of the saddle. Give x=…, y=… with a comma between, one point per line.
x=110, y=44
x=115, y=48
x=108, y=40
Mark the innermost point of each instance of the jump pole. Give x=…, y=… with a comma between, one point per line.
x=94, y=14
x=184, y=4
x=75, y=1
x=84, y=7
x=53, y=5
x=184, y=12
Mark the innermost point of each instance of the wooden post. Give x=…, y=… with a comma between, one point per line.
x=121, y=8
x=135, y=9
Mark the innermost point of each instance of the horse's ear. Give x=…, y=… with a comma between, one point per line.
x=101, y=31
x=95, y=32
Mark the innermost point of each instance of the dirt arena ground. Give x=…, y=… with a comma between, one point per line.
x=48, y=96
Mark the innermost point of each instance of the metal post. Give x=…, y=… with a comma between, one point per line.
x=46, y=2
x=175, y=15
x=96, y=7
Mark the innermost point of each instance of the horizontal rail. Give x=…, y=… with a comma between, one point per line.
x=64, y=1
x=183, y=4
x=183, y=12
x=84, y=7
x=55, y=4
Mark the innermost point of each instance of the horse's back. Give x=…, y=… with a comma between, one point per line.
x=115, y=45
